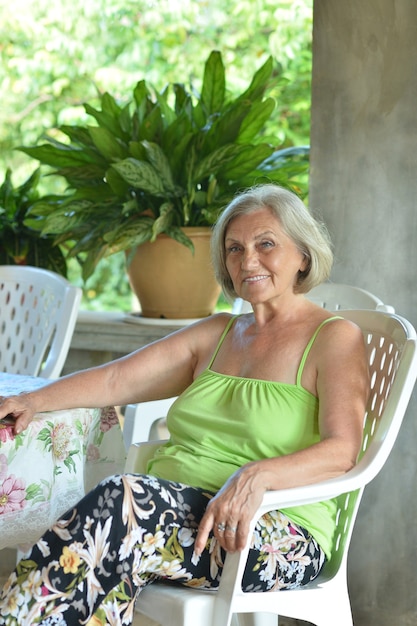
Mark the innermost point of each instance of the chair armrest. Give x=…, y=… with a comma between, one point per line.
x=356, y=478
x=139, y=454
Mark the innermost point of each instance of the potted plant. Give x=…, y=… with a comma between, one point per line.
x=156, y=170
x=20, y=244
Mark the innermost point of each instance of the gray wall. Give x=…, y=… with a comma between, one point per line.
x=364, y=185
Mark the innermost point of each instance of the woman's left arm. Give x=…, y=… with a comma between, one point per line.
x=342, y=385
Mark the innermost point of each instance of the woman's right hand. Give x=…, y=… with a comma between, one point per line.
x=19, y=408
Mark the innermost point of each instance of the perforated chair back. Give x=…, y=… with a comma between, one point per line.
x=38, y=312
x=385, y=348
x=392, y=354
x=337, y=296
x=334, y=297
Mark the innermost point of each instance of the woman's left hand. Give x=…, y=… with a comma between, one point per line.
x=230, y=511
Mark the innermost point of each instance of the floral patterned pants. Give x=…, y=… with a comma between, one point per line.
x=129, y=531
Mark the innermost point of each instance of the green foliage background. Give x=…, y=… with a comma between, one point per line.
x=56, y=56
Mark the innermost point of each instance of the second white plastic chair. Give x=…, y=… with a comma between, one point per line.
x=38, y=312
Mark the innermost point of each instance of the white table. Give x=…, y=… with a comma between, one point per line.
x=50, y=466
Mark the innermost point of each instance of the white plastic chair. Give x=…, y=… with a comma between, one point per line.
x=141, y=421
x=38, y=312
x=391, y=343
x=334, y=297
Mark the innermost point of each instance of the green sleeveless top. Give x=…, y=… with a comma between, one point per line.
x=221, y=422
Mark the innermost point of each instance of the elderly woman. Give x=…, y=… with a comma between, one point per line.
x=266, y=400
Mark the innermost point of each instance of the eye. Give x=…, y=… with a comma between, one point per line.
x=233, y=249
x=266, y=243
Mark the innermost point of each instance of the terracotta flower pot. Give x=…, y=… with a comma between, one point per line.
x=170, y=281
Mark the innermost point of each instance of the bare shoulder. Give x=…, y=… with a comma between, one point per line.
x=201, y=338
x=340, y=324
x=203, y=333
x=340, y=336
x=210, y=327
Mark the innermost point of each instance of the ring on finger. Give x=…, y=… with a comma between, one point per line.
x=231, y=529
x=221, y=527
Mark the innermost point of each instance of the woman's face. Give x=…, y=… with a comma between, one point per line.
x=263, y=262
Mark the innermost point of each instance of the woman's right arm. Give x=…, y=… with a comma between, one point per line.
x=161, y=369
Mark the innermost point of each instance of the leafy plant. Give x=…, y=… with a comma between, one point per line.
x=20, y=244
x=169, y=159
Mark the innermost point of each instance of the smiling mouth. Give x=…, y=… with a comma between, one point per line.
x=254, y=279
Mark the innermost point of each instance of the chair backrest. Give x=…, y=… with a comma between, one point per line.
x=334, y=297
x=391, y=349
x=38, y=312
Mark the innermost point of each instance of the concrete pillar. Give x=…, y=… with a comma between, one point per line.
x=364, y=185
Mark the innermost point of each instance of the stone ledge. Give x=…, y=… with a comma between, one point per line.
x=102, y=336
x=105, y=330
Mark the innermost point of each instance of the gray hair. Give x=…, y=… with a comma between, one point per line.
x=309, y=235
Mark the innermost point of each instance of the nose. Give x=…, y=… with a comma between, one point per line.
x=249, y=259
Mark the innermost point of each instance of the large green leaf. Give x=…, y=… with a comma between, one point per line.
x=164, y=221
x=65, y=218
x=108, y=117
x=82, y=175
x=141, y=96
x=131, y=234
x=77, y=134
x=99, y=195
x=214, y=84
x=110, y=106
x=43, y=207
x=152, y=125
x=137, y=150
x=117, y=184
x=30, y=184
x=179, y=235
x=140, y=174
x=159, y=161
x=91, y=260
x=225, y=129
x=57, y=157
x=183, y=101
x=167, y=114
x=125, y=121
x=254, y=122
x=259, y=82
x=7, y=199
x=175, y=144
x=249, y=158
x=214, y=161
x=107, y=144
x=81, y=140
